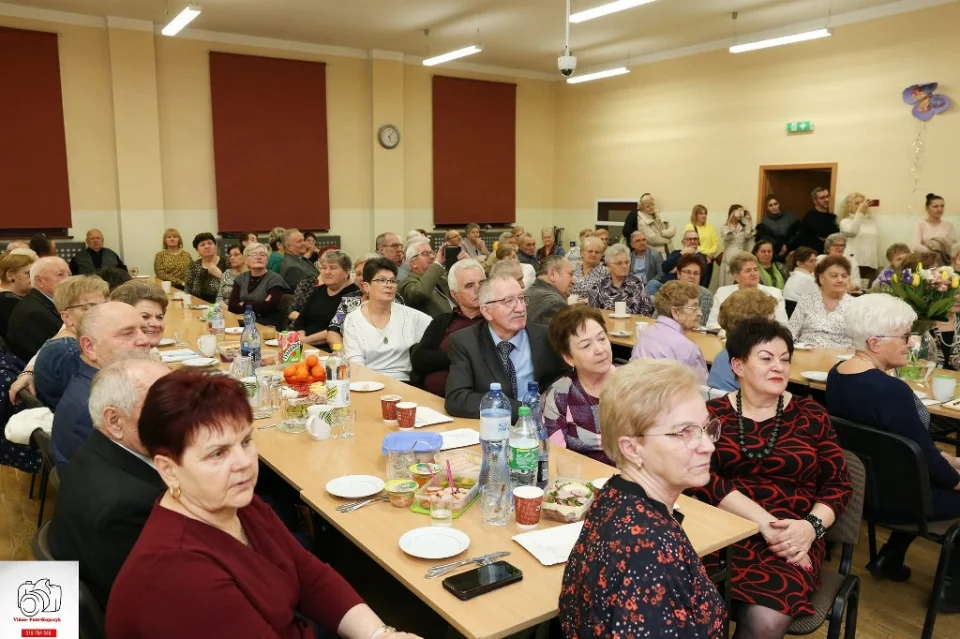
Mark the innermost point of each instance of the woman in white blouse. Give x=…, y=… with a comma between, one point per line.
x=853, y=216
x=801, y=264
x=380, y=333
x=818, y=318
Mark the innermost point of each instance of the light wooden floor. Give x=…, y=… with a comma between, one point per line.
x=886, y=609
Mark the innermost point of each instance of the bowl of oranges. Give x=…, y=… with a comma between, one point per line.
x=300, y=375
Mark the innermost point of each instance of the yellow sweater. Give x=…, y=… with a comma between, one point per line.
x=709, y=240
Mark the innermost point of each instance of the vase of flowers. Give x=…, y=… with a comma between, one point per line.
x=932, y=293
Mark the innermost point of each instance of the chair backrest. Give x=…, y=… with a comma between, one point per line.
x=41, y=439
x=92, y=624
x=29, y=400
x=41, y=543
x=846, y=529
x=897, y=481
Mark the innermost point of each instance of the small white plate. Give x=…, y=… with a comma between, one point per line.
x=200, y=362
x=620, y=334
x=920, y=394
x=233, y=330
x=272, y=342
x=844, y=357
x=599, y=483
x=814, y=376
x=167, y=341
x=615, y=316
x=800, y=346
x=200, y=307
x=434, y=542
x=355, y=486
x=366, y=387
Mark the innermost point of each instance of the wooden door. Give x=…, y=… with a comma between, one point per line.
x=792, y=185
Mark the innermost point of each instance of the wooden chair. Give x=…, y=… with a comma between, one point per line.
x=27, y=398
x=41, y=440
x=839, y=590
x=898, y=489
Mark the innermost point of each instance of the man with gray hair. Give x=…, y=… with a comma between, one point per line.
x=16, y=244
x=549, y=293
x=295, y=268
x=105, y=334
x=95, y=256
x=429, y=358
x=425, y=288
x=503, y=349
x=110, y=486
x=644, y=262
x=527, y=250
x=36, y=319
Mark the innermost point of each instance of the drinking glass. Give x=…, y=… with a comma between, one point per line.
x=343, y=423
x=441, y=510
x=179, y=340
x=496, y=504
x=294, y=415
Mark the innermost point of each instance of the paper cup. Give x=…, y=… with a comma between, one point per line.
x=406, y=415
x=620, y=308
x=944, y=387
x=388, y=407
x=187, y=300
x=165, y=285
x=527, y=501
x=639, y=328
x=573, y=299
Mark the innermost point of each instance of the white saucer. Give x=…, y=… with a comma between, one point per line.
x=844, y=357
x=233, y=330
x=272, y=342
x=355, y=486
x=620, y=333
x=167, y=341
x=200, y=362
x=814, y=376
x=800, y=346
x=615, y=316
x=366, y=387
x=434, y=542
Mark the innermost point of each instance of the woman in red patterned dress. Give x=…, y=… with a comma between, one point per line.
x=777, y=464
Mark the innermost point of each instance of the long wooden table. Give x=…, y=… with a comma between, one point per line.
x=308, y=465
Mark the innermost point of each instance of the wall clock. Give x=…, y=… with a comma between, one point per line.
x=389, y=136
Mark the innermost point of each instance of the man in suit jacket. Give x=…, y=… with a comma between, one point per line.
x=426, y=287
x=95, y=257
x=502, y=349
x=109, y=488
x=36, y=319
x=548, y=294
x=643, y=260
x=294, y=268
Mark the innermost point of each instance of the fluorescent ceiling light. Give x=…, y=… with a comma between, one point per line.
x=599, y=75
x=453, y=55
x=606, y=9
x=776, y=42
x=182, y=19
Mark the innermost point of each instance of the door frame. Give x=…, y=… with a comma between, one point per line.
x=769, y=168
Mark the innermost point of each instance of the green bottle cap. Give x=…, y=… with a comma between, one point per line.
x=524, y=411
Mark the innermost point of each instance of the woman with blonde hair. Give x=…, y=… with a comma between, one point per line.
x=737, y=235
x=620, y=285
x=678, y=311
x=863, y=237
x=275, y=242
x=172, y=262
x=14, y=284
x=149, y=300
x=574, y=254
x=550, y=246
x=590, y=271
x=741, y=305
x=709, y=240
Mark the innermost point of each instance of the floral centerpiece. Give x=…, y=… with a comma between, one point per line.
x=932, y=293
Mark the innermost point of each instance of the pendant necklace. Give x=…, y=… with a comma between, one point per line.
x=771, y=441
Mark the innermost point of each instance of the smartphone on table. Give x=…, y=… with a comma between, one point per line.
x=473, y=583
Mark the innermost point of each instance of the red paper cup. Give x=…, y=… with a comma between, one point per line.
x=388, y=406
x=406, y=415
x=526, y=503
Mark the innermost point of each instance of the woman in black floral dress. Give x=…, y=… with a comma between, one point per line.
x=777, y=464
x=633, y=572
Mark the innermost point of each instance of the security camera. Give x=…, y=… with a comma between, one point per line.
x=567, y=65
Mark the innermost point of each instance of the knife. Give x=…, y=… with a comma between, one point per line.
x=442, y=569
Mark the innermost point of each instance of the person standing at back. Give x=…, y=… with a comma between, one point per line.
x=818, y=222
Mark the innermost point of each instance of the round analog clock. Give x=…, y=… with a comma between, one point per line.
x=389, y=136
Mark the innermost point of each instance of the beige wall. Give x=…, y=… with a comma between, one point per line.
x=697, y=129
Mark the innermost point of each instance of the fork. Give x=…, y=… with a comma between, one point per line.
x=355, y=505
x=483, y=560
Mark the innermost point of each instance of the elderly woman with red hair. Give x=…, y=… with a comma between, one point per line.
x=213, y=559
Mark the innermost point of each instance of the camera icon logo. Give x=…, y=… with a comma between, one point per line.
x=35, y=597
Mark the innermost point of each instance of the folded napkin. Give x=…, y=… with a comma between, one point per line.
x=460, y=438
x=21, y=426
x=429, y=417
x=180, y=355
x=552, y=545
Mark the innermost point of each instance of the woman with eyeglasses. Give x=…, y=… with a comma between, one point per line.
x=380, y=333
x=618, y=284
x=836, y=246
x=59, y=357
x=678, y=311
x=633, y=571
x=862, y=390
x=588, y=273
x=257, y=287
x=777, y=464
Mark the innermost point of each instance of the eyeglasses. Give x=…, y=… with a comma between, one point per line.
x=510, y=302
x=691, y=239
x=695, y=309
x=425, y=254
x=382, y=281
x=690, y=272
x=904, y=338
x=86, y=307
x=691, y=434
x=258, y=254
x=393, y=246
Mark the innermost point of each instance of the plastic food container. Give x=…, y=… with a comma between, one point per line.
x=401, y=492
x=228, y=351
x=467, y=490
x=423, y=445
x=421, y=472
x=567, y=500
x=463, y=463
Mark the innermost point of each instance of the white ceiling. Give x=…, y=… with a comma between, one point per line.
x=518, y=34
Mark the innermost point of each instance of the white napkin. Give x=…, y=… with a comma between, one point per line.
x=552, y=545
x=178, y=355
x=429, y=417
x=459, y=438
x=929, y=402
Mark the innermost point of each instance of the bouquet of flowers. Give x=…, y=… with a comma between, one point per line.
x=931, y=292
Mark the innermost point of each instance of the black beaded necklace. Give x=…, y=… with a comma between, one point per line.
x=771, y=441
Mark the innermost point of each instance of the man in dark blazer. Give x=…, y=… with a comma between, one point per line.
x=549, y=292
x=644, y=261
x=36, y=319
x=502, y=349
x=426, y=288
x=110, y=486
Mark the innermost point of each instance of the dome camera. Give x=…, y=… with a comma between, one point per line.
x=567, y=65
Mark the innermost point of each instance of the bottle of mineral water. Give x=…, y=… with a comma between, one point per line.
x=532, y=401
x=217, y=322
x=338, y=378
x=496, y=492
x=524, y=450
x=250, y=338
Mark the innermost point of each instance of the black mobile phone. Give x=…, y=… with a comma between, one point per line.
x=472, y=583
x=451, y=253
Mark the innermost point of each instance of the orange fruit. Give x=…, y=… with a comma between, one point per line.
x=312, y=361
x=302, y=375
x=318, y=373
x=290, y=371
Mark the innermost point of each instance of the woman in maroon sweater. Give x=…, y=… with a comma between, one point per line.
x=213, y=556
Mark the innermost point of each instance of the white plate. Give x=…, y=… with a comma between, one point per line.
x=355, y=486
x=167, y=341
x=434, y=542
x=800, y=346
x=200, y=307
x=366, y=387
x=272, y=342
x=920, y=394
x=200, y=362
x=844, y=357
x=599, y=483
x=814, y=376
x=615, y=316
x=233, y=330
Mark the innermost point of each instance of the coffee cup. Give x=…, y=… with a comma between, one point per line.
x=319, y=419
x=620, y=308
x=944, y=387
x=406, y=415
x=207, y=344
x=527, y=501
x=388, y=407
x=165, y=285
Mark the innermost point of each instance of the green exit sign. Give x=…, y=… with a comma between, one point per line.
x=800, y=126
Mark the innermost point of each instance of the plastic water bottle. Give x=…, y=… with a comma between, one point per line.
x=532, y=401
x=338, y=378
x=496, y=493
x=250, y=338
x=217, y=322
x=524, y=450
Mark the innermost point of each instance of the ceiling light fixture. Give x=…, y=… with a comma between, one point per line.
x=776, y=42
x=606, y=9
x=182, y=19
x=453, y=55
x=599, y=75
